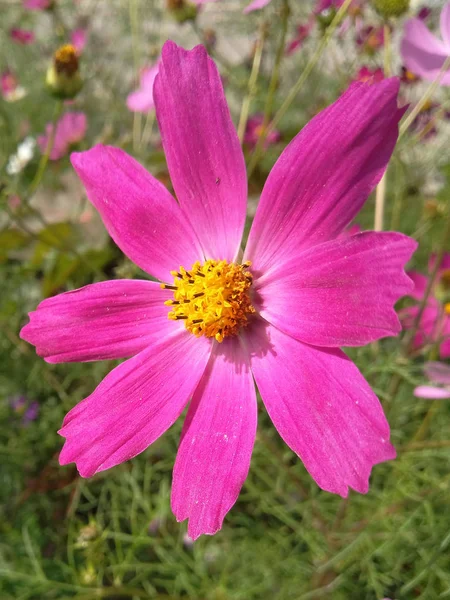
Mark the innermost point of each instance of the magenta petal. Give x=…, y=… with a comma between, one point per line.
x=322, y=407
x=139, y=213
x=422, y=53
x=111, y=319
x=203, y=152
x=256, y=4
x=420, y=284
x=217, y=441
x=340, y=293
x=135, y=404
x=324, y=176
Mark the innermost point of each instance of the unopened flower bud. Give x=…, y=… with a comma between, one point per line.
x=182, y=10
x=391, y=8
x=63, y=77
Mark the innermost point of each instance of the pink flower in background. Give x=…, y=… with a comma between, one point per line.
x=322, y=5
x=437, y=373
x=142, y=99
x=254, y=129
x=255, y=5
x=37, y=4
x=278, y=315
x=78, y=39
x=302, y=33
x=22, y=36
x=435, y=322
x=424, y=13
x=370, y=75
x=407, y=77
x=10, y=88
x=70, y=129
x=422, y=52
x=370, y=39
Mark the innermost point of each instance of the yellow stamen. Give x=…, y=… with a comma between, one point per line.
x=447, y=308
x=213, y=299
x=66, y=59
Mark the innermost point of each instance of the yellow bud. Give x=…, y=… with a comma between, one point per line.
x=63, y=76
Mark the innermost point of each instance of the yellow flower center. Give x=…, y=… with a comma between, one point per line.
x=447, y=308
x=66, y=59
x=213, y=299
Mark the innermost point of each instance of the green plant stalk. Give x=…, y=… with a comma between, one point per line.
x=268, y=108
x=46, y=156
x=298, y=85
x=380, y=193
x=252, y=82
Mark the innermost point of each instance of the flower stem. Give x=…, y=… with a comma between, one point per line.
x=426, y=96
x=45, y=157
x=380, y=194
x=252, y=81
x=298, y=85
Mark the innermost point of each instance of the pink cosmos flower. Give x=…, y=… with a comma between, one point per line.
x=302, y=33
x=142, y=99
x=78, y=39
x=70, y=129
x=37, y=4
x=254, y=129
x=370, y=39
x=423, y=53
x=438, y=373
x=10, y=88
x=22, y=36
x=369, y=75
x=435, y=321
x=279, y=314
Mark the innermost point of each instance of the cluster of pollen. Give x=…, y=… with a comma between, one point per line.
x=213, y=299
x=66, y=59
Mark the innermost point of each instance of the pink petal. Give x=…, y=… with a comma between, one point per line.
x=322, y=179
x=422, y=53
x=111, y=319
x=322, y=407
x=217, y=441
x=203, y=152
x=139, y=213
x=340, y=293
x=438, y=372
x=135, y=404
x=142, y=100
x=256, y=4
x=78, y=37
x=420, y=284
x=444, y=350
x=445, y=25
x=431, y=393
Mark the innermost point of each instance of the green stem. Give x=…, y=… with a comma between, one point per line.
x=298, y=85
x=252, y=82
x=45, y=157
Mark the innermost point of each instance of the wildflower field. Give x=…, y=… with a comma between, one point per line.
x=224, y=299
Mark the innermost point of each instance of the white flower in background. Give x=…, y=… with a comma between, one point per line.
x=22, y=157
